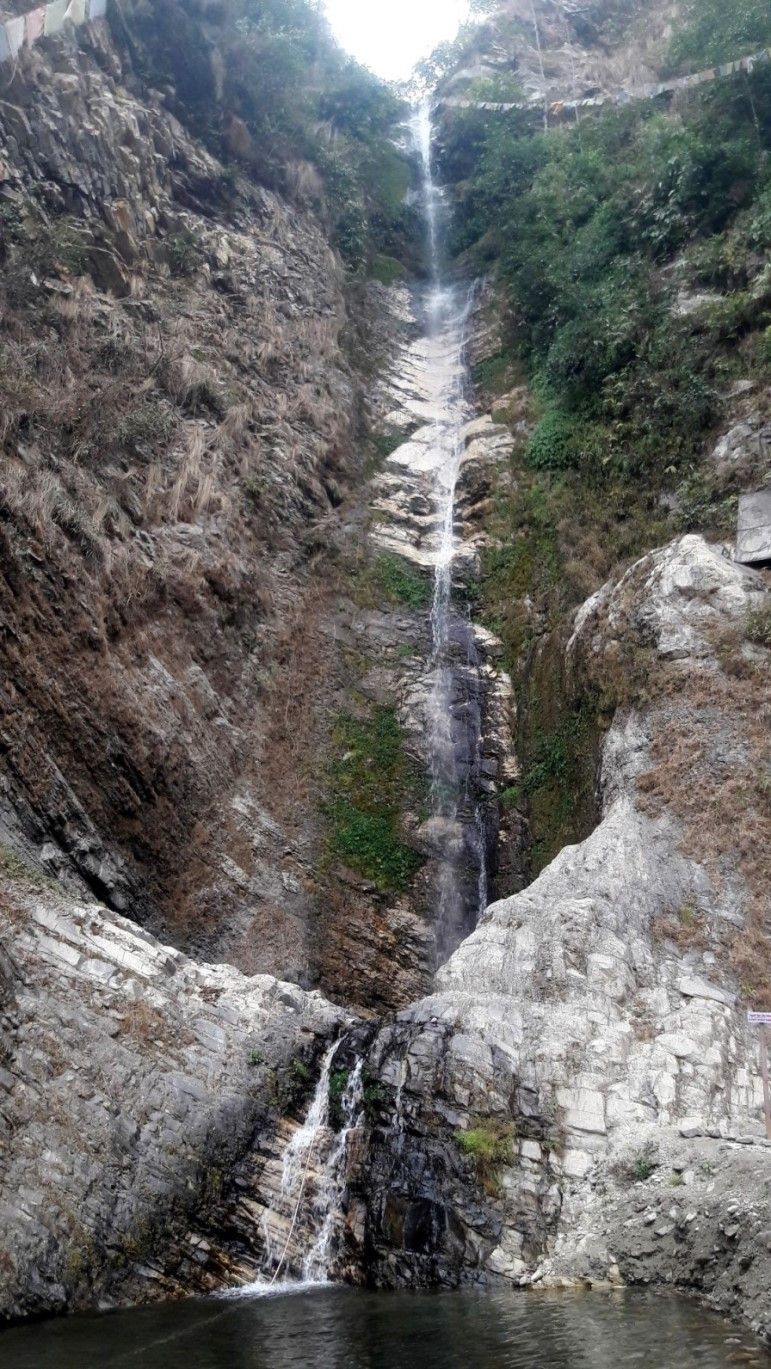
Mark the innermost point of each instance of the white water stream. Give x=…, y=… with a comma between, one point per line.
x=303, y=1234
x=454, y=712
x=313, y=1181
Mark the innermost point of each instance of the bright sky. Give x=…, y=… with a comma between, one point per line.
x=390, y=36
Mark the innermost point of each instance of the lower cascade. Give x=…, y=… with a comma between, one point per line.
x=301, y=1234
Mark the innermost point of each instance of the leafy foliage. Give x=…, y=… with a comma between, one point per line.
x=265, y=83
x=580, y=226
x=716, y=32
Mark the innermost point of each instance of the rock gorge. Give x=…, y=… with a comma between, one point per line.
x=336, y=715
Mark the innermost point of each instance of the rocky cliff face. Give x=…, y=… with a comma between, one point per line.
x=560, y=50
x=181, y=426
x=591, y=1022
x=218, y=533
x=134, y=1081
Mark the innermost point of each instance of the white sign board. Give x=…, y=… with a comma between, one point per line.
x=759, y=1019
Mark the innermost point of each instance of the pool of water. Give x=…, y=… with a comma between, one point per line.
x=338, y=1328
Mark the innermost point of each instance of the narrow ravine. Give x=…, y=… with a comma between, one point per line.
x=454, y=711
x=302, y=1227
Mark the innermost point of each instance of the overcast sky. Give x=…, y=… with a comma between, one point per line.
x=390, y=36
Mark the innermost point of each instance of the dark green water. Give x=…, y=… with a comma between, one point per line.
x=337, y=1328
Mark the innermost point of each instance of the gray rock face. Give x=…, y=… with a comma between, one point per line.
x=674, y=599
x=133, y=1082
x=753, y=539
x=567, y=1034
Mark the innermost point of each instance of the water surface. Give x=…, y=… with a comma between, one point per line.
x=338, y=1328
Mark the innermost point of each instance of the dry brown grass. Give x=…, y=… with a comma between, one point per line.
x=719, y=790
x=145, y=1023
x=687, y=928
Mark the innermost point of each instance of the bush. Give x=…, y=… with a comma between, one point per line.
x=639, y=1168
x=552, y=446
x=184, y=254
x=490, y=1145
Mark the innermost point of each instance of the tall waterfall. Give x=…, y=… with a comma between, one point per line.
x=302, y=1231
x=454, y=721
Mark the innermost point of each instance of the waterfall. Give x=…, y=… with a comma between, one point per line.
x=318, y=1262
x=303, y=1232
x=454, y=721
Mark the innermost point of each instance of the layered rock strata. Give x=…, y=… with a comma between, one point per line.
x=592, y=1017
x=133, y=1083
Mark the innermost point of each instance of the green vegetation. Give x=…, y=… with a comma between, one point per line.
x=17, y=868
x=184, y=254
x=286, y=105
x=579, y=226
x=715, y=32
x=644, y=1165
x=386, y=269
x=338, y=1083
x=396, y=581
x=493, y=373
x=630, y=256
x=759, y=627
x=371, y=783
x=640, y=1167
x=299, y=1072
x=293, y=1084
x=490, y=1145
x=373, y=1096
x=385, y=443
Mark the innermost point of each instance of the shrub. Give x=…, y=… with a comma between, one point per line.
x=338, y=1083
x=759, y=626
x=639, y=1168
x=490, y=1146
x=552, y=446
x=184, y=254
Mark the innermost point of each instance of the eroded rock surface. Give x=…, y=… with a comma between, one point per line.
x=133, y=1082
x=585, y=1020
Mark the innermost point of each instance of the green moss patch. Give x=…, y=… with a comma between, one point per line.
x=391, y=580
x=372, y=783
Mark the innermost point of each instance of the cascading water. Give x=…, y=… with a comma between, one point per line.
x=302, y=1232
x=318, y=1262
x=454, y=722
x=302, y=1229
